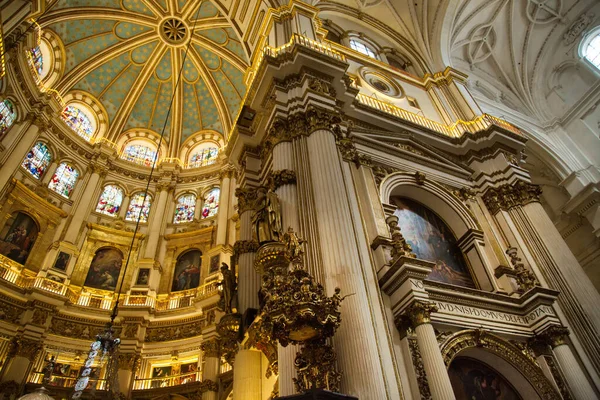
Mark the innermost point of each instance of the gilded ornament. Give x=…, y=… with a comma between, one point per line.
x=555, y=335
x=128, y=361
x=27, y=348
x=246, y=198
x=212, y=348
x=419, y=369
x=559, y=378
x=525, y=279
x=508, y=196
x=282, y=177
x=10, y=313
x=420, y=178
x=40, y=316
x=163, y=334
x=419, y=313
x=321, y=86
x=400, y=248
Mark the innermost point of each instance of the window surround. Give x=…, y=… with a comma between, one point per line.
x=593, y=35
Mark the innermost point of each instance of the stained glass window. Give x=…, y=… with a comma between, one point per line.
x=7, y=116
x=202, y=157
x=110, y=200
x=78, y=121
x=362, y=48
x=36, y=60
x=139, y=154
x=136, y=207
x=64, y=179
x=37, y=160
x=211, y=203
x=592, y=51
x=185, y=209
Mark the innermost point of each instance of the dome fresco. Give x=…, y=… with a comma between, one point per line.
x=127, y=54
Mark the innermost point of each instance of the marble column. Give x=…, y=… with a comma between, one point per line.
x=155, y=224
x=82, y=209
x=128, y=364
x=437, y=376
x=355, y=341
x=18, y=153
x=247, y=376
x=574, y=375
x=19, y=361
x=224, y=200
x=283, y=179
x=211, y=350
x=245, y=249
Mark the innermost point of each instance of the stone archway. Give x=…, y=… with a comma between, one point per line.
x=506, y=358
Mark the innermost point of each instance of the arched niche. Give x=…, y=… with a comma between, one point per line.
x=452, y=211
x=502, y=357
x=105, y=268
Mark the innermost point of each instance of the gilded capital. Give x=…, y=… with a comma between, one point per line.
x=507, y=196
x=419, y=313
x=212, y=348
x=244, y=246
x=27, y=348
x=246, y=198
x=556, y=335
x=128, y=361
x=282, y=177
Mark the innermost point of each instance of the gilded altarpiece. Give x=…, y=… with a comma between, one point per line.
x=100, y=237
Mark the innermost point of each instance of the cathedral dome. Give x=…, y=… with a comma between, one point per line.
x=120, y=66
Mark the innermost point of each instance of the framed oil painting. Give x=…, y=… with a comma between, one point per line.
x=474, y=380
x=187, y=271
x=215, y=262
x=143, y=276
x=62, y=261
x=18, y=237
x=105, y=269
x=160, y=372
x=432, y=240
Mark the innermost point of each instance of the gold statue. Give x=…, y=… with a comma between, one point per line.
x=266, y=219
x=293, y=245
x=229, y=289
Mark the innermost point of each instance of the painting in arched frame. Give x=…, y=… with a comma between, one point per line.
x=187, y=271
x=474, y=380
x=432, y=240
x=105, y=269
x=18, y=237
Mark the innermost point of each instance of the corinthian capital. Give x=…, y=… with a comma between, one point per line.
x=246, y=198
x=507, y=196
x=419, y=313
x=212, y=348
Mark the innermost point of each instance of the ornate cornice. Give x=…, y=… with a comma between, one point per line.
x=508, y=196
x=282, y=177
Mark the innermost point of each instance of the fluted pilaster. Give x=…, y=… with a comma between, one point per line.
x=355, y=341
x=247, y=377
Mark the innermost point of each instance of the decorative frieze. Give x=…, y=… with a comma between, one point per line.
x=419, y=369
x=10, y=312
x=282, y=177
x=174, y=332
x=508, y=196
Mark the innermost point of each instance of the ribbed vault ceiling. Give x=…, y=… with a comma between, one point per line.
x=128, y=53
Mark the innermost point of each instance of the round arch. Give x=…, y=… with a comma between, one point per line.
x=524, y=375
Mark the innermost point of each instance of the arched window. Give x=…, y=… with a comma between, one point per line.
x=18, y=237
x=105, y=269
x=362, y=48
x=137, y=207
x=79, y=121
x=37, y=160
x=432, y=240
x=211, y=203
x=139, y=154
x=591, y=49
x=203, y=154
x=187, y=271
x=64, y=179
x=36, y=60
x=110, y=200
x=185, y=208
x=8, y=115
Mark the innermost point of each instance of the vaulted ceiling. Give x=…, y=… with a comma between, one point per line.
x=128, y=55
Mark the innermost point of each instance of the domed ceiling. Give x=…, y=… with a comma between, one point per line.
x=128, y=54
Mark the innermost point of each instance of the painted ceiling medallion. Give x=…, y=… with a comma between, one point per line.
x=127, y=55
x=174, y=30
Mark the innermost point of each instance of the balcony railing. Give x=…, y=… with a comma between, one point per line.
x=67, y=381
x=167, y=381
x=14, y=273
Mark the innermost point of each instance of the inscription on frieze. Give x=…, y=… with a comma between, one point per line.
x=475, y=312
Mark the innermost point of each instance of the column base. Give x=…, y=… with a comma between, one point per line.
x=318, y=394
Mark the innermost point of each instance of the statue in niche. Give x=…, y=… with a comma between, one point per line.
x=266, y=220
x=228, y=289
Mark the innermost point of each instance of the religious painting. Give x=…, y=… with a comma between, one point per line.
x=474, y=380
x=143, y=276
x=160, y=372
x=214, y=264
x=104, y=269
x=187, y=271
x=61, y=370
x=432, y=240
x=62, y=261
x=19, y=236
x=188, y=372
